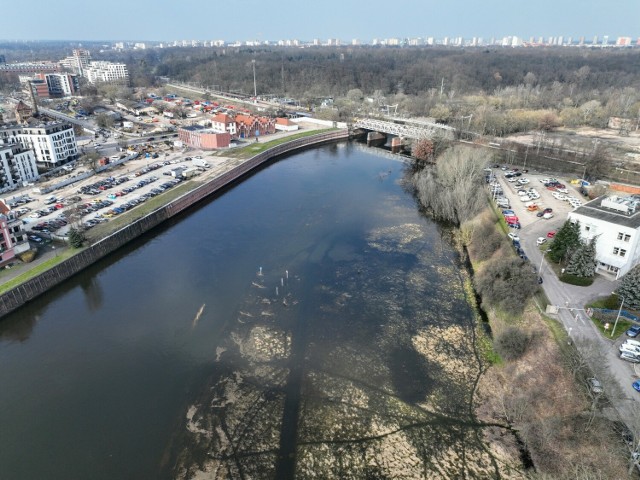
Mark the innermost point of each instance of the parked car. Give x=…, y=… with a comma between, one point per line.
x=547, y=215
x=635, y=343
x=540, y=241
x=634, y=331
x=513, y=236
x=625, y=347
x=629, y=357
x=551, y=234
x=636, y=385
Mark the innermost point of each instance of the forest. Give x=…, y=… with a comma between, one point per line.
x=496, y=90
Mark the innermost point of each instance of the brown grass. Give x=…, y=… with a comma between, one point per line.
x=538, y=396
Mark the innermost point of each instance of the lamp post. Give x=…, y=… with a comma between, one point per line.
x=618, y=317
x=255, y=90
x=541, y=260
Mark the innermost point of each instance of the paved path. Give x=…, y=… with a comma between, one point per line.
x=576, y=323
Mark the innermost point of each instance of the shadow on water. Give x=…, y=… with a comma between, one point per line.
x=413, y=378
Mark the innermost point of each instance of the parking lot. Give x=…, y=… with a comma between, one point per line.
x=100, y=197
x=535, y=204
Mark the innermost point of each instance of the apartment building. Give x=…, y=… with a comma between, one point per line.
x=615, y=224
x=13, y=238
x=77, y=62
x=17, y=167
x=53, y=143
x=107, y=72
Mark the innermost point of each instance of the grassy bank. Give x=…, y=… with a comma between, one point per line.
x=515, y=390
x=255, y=148
x=37, y=269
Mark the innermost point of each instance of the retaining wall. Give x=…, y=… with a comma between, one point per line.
x=27, y=291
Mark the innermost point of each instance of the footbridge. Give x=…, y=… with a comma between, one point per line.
x=406, y=128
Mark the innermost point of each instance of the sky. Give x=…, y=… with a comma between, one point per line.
x=232, y=20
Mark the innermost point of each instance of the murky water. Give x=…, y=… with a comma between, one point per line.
x=308, y=321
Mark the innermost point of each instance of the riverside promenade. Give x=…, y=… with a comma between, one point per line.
x=229, y=171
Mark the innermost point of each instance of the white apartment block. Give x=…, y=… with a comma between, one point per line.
x=77, y=62
x=17, y=167
x=615, y=221
x=98, y=72
x=53, y=143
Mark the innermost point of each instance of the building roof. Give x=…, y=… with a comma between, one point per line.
x=192, y=128
x=284, y=121
x=222, y=118
x=23, y=107
x=595, y=210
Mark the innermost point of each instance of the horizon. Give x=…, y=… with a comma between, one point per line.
x=251, y=20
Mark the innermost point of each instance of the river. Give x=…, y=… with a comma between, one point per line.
x=308, y=321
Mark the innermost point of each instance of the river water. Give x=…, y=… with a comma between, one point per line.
x=308, y=321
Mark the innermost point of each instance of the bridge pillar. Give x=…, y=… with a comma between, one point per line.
x=396, y=144
x=376, y=138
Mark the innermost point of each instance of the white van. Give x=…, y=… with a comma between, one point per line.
x=634, y=343
x=629, y=349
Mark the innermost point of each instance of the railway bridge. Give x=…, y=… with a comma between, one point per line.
x=405, y=128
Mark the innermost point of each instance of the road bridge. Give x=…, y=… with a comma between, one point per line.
x=406, y=128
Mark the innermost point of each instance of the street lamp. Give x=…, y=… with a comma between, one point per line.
x=541, y=260
x=618, y=317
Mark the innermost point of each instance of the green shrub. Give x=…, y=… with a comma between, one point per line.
x=575, y=280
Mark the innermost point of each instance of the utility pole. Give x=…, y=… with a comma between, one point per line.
x=441, y=87
x=617, y=318
x=255, y=90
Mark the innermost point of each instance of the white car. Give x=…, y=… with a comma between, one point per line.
x=545, y=180
x=562, y=190
x=513, y=236
x=557, y=195
x=524, y=181
x=547, y=216
x=541, y=240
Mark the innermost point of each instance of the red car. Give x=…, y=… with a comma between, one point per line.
x=551, y=234
x=511, y=219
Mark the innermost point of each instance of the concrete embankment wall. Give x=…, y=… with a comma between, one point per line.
x=27, y=291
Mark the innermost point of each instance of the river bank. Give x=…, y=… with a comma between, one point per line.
x=554, y=426
x=87, y=256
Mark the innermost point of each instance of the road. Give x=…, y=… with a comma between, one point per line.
x=571, y=299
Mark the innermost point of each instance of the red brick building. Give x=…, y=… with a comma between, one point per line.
x=197, y=136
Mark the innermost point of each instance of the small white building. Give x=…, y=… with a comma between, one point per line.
x=615, y=221
x=286, y=125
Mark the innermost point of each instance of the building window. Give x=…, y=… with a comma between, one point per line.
x=621, y=252
x=587, y=228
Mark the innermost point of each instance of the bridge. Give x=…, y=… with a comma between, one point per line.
x=406, y=128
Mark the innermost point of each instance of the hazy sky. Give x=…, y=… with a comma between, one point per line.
x=308, y=19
